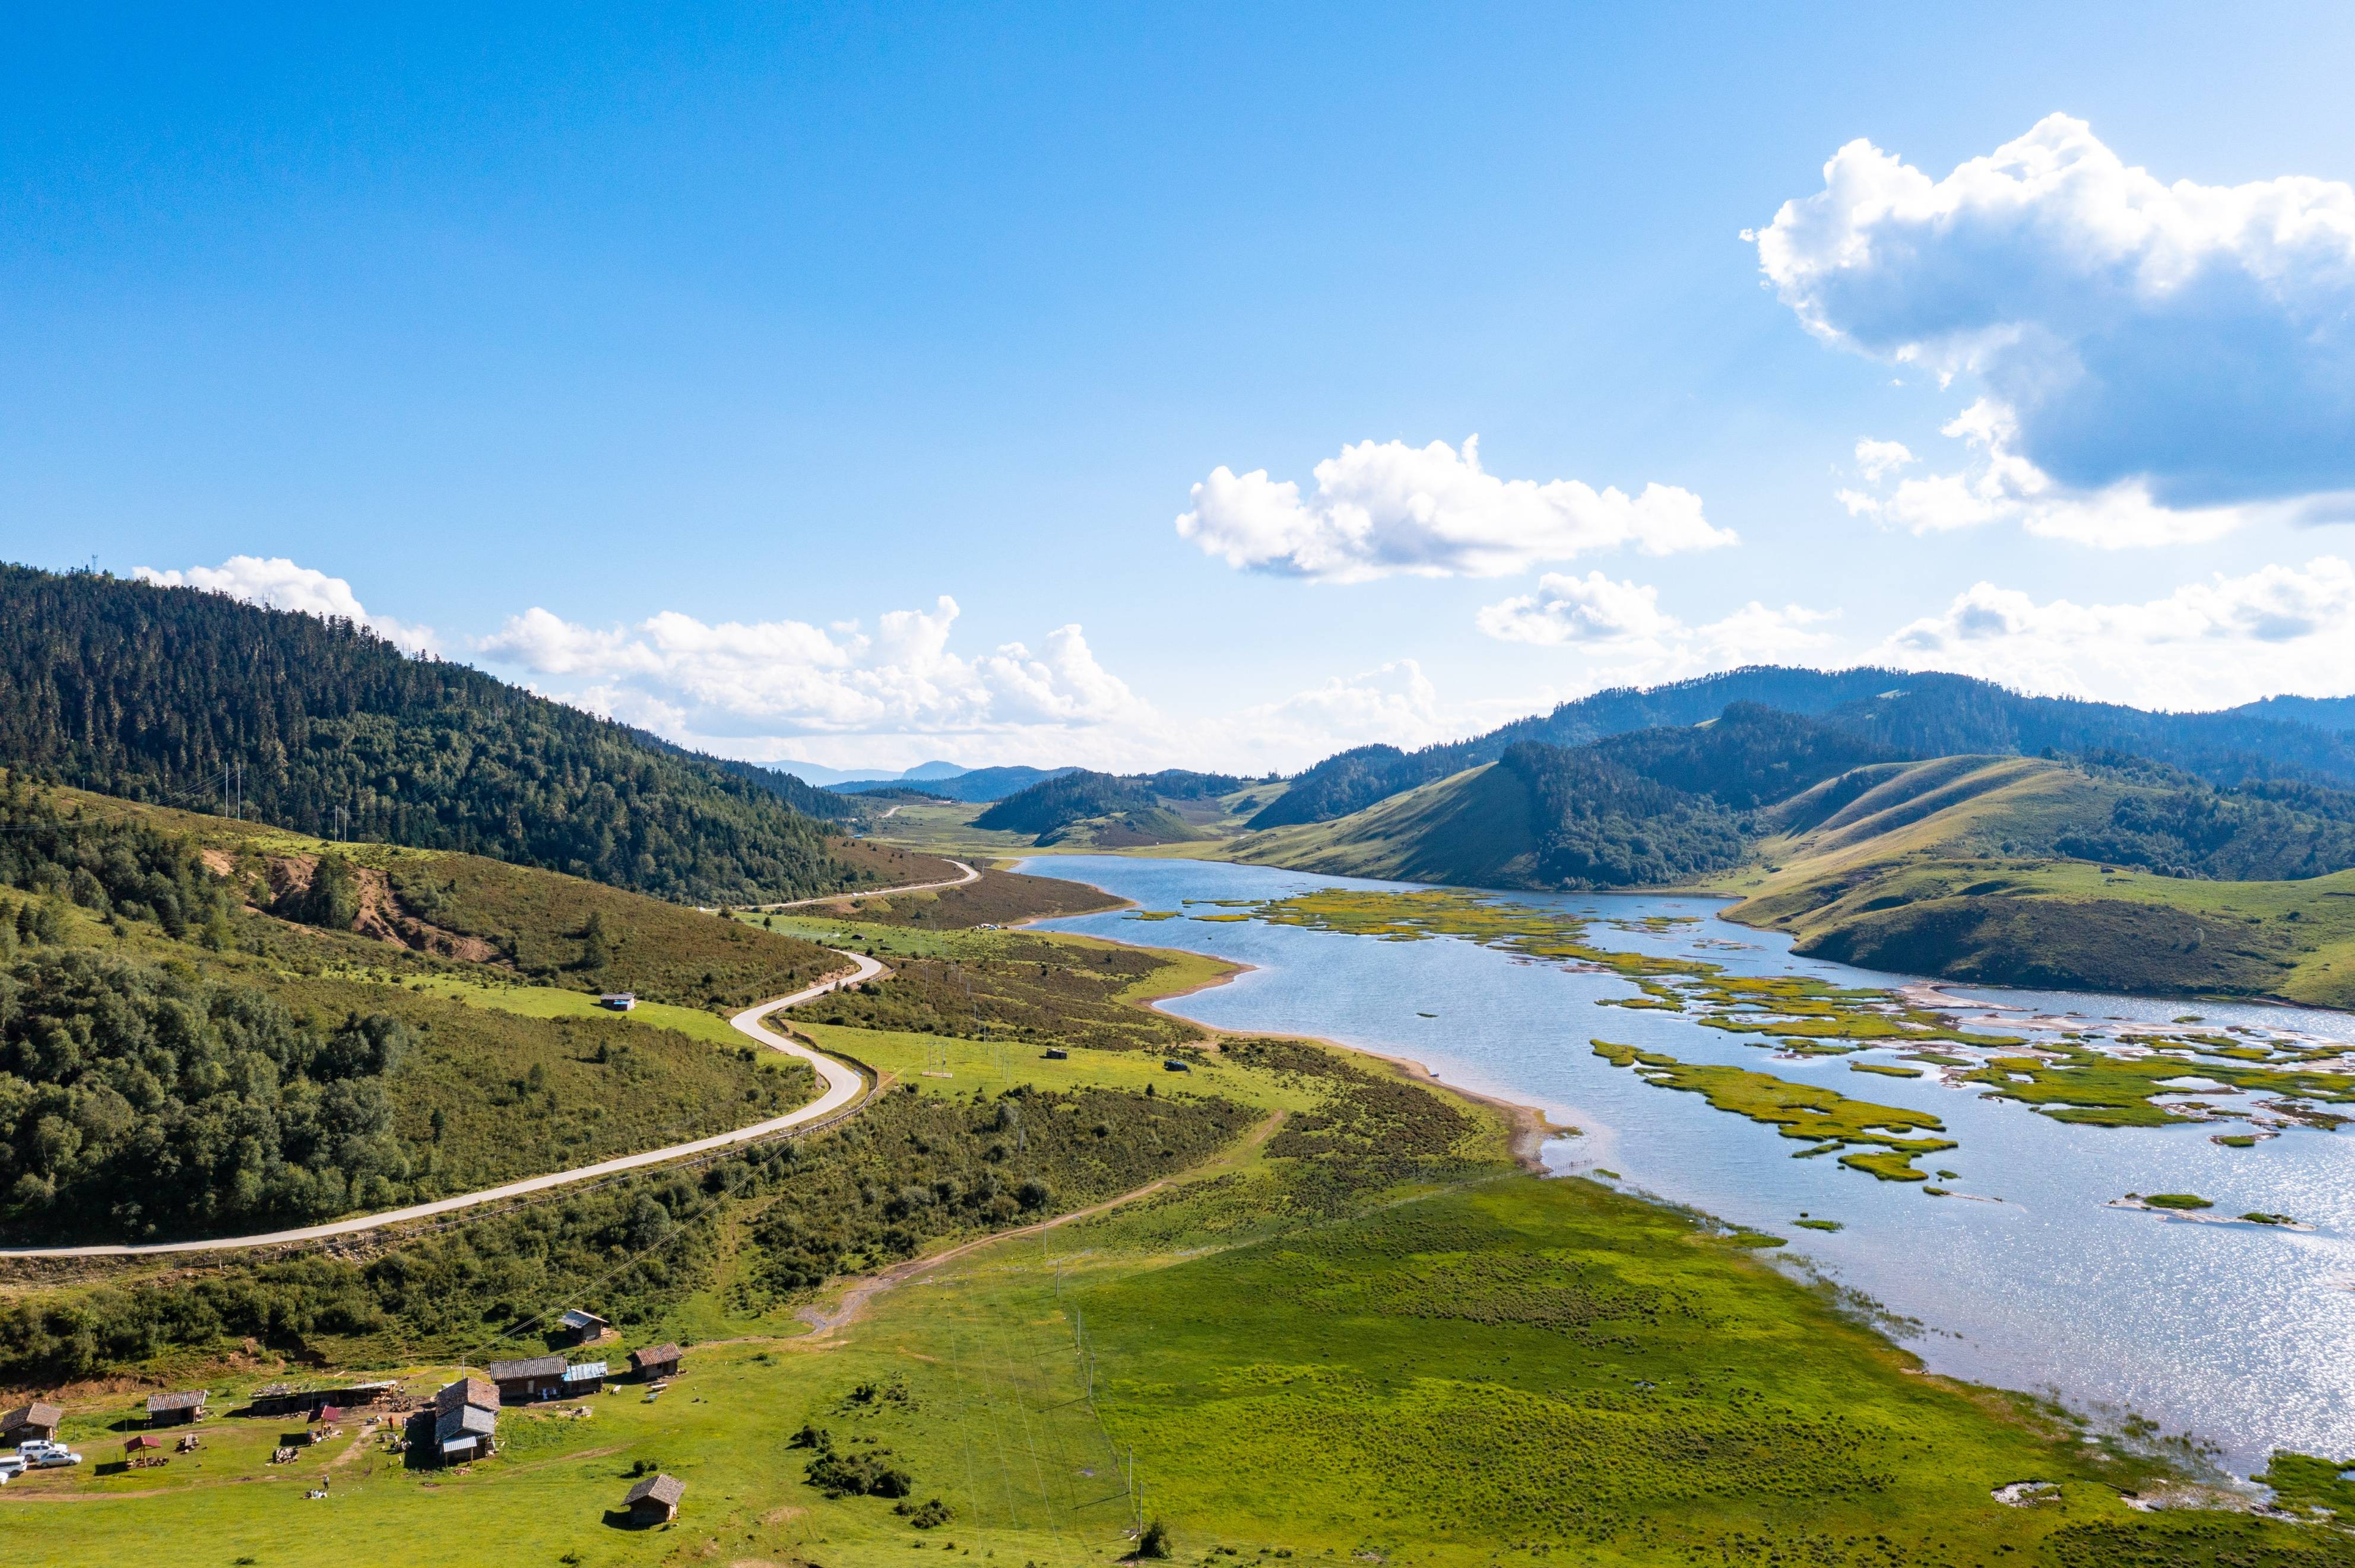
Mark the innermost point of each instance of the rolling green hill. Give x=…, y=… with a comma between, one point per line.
x=151, y=693
x=1971, y=868
x=1661, y=805
x=209, y=1026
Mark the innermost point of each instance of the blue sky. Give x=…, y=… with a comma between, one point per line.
x=680, y=362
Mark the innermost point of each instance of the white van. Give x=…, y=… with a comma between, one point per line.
x=40, y=1454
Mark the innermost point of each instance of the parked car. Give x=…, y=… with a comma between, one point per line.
x=11, y=1467
x=40, y=1454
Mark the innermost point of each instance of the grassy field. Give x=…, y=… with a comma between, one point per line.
x=999, y=898
x=1011, y=985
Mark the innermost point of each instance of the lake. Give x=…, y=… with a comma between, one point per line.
x=2237, y=1336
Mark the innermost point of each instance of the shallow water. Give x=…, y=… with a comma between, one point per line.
x=2238, y=1335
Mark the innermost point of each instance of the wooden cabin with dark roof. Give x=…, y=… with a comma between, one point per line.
x=581, y=1327
x=38, y=1419
x=474, y=1390
x=529, y=1379
x=465, y=1432
x=654, y=1500
x=467, y=1420
x=655, y=1361
x=176, y=1409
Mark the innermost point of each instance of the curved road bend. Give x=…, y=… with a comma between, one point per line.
x=841, y=1081
x=970, y=876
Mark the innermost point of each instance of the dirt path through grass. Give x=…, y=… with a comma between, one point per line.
x=856, y=1298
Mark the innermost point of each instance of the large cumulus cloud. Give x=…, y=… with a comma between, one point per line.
x=2194, y=342
x=2230, y=640
x=1384, y=509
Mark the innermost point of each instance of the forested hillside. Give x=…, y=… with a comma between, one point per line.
x=1657, y=806
x=1676, y=804
x=1137, y=806
x=151, y=693
x=1902, y=714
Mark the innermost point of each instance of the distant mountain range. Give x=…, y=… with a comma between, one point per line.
x=1911, y=714
x=974, y=786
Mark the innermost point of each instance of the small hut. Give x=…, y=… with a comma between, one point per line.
x=655, y=1361
x=654, y=1500
x=38, y=1419
x=141, y=1443
x=584, y=1328
x=584, y=1378
x=176, y=1409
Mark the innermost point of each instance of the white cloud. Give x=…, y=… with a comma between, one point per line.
x=2001, y=486
x=2231, y=640
x=2157, y=354
x=282, y=585
x=1759, y=634
x=734, y=681
x=1394, y=704
x=1624, y=620
x=1382, y=509
x=1877, y=459
x=1592, y=609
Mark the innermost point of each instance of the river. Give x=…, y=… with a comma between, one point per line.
x=2235, y=1336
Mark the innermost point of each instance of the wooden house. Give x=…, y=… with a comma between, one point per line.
x=465, y=1432
x=467, y=1420
x=654, y=1361
x=584, y=1328
x=176, y=1409
x=654, y=1500
x=479, y=1392
x=617, y=1001
x=38, y=1419
x=529, y=1379
x=584, y=1378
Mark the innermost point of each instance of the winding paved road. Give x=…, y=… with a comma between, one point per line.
x=842, y=1082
